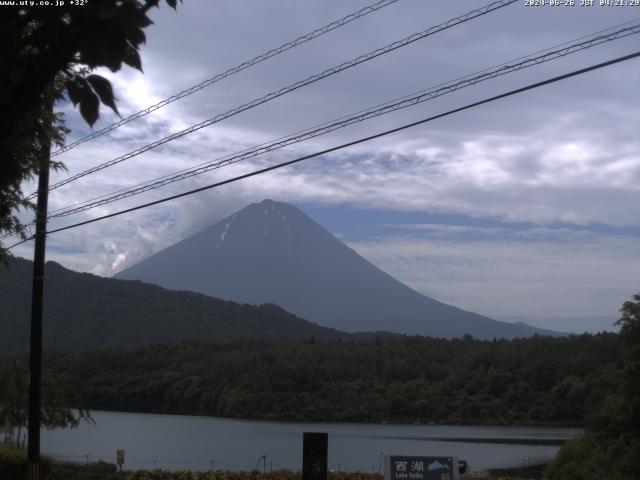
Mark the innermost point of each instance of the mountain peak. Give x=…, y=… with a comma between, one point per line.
x=271, y=252
x=267, y=204
x=264, y=226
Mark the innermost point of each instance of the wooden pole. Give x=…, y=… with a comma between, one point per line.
x=37, y=294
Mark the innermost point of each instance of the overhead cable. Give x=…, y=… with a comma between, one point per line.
x=419, y=97
x=614, y=30
x=349, y=144
x=231, y=71
x=299, y=84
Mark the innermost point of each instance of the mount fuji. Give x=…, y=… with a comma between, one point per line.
x=271, y=252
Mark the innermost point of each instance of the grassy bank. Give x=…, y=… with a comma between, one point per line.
x=13, y=467
x=107, y=471
x=13, y=463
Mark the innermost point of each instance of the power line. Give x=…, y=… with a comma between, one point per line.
x=407, y=96
x=232, y=71
x=405, y=102
x=24, y=240
x=294, y=86
x=487, y=69
x=354, y=142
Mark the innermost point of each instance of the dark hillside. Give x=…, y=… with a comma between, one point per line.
x=84, y=311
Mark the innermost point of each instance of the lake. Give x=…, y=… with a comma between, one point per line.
x=189, y=442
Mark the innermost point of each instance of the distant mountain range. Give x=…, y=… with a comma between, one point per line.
x=271, y=252
x=84, y=311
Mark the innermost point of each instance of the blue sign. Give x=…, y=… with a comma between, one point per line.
x=406, y=467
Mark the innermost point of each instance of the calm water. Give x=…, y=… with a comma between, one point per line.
x=177, y=441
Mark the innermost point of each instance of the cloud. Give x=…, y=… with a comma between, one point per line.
x=558, y=278
x=479, y=177
x=563, y=154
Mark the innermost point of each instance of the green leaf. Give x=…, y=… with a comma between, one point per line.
x=74, y=89
x=91, y=50
x=151, y=3
x=80, y=92
x=137, y=36
x=113, y=57
x=132, y=58
x=89, y=107
x=102, y=87
x=143, y=21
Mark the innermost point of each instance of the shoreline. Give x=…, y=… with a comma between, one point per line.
x=540, y=425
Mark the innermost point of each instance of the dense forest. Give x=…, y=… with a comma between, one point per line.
x=610, y=446
x=536, y=381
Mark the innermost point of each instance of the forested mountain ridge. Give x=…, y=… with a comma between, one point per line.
x=535, y=381
x=84, y=311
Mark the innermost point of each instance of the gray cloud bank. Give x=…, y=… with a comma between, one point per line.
x=566, y=154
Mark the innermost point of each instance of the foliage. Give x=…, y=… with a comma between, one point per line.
x=610, y=447
x=589, y=457
x=56, y=398
x=412, y=379
x=46, y=51
x=13, y=463
x=523, y=472
x=104, y=471
x=81, y=314
x=92, y=471
x=13, y=401
x=29, y=148
x=630, y=333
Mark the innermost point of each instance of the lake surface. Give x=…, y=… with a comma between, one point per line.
x=178, y=442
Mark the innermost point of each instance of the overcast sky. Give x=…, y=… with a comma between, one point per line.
x=525, y=209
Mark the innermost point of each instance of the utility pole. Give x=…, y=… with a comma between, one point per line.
x=35, y=352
